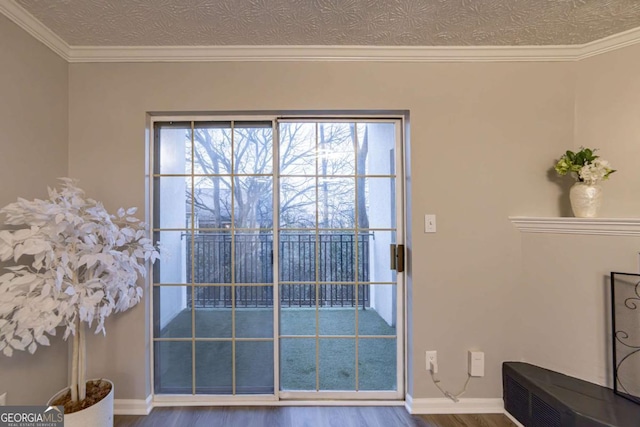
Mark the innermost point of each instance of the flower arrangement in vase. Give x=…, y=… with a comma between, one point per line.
x=589, y=170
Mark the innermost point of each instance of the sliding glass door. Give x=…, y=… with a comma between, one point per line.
x=275, y=275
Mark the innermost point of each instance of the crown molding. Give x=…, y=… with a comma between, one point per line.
x=320, y=53
x=607, y=44
x=37, y=29
x=80, y=54
x=586, y=226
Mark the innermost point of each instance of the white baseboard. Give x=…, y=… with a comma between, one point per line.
x=447, y=406
x=133, y=406
x=513, y=420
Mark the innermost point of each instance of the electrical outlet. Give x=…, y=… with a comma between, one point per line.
x=476, y=363
x=432, y=361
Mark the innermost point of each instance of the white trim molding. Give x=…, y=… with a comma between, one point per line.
x=78, y=54
x=163, y=400
x=447, y=406
x=513, y=419
x=133, y=406
x=607, y=44
x=587, y=226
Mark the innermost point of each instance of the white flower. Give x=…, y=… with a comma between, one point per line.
x=584, y=165
x=595, y=172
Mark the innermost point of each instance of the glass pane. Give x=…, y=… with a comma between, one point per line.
x=298, y=257
x=212, y=202
x=254, y=322
x=377, y=364
x=375, y=253
x=172, y=315
x=213, y=311
x=212, y=257
x=337, y=321
x=254, y=257
x=376, y=153
x=174, y=265
x=297, y=364
x=297, y=148
x=298, y=202
x=336, y=203
x=253, y=202
x=172, y=201
x=254, y=296
x=254, y=367
x=338, y=296
x=173, y=151
x=172, y=367
x=212, y=149
x=336, y=152
x=337, y=259
x=253, y=151
x=213, y=367
x=378, y=317
x=376, y=203
x=297, y=320
x=337, y=364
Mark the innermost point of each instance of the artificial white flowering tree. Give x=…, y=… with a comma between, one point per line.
x=75, y=265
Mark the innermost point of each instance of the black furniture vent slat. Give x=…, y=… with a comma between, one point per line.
x=518, y=402
x=543, y=414
x=556, y=400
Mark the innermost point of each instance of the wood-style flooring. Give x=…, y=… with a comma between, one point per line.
x=303, y=416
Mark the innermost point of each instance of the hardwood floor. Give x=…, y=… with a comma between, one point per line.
x=302, y=416
x=468, y=420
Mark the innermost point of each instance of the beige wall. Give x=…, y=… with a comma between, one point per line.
x=33, y=153
x=565, y=301
x=565, y=323
x=608, y=117
x=482, y=138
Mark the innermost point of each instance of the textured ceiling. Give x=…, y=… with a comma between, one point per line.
x=334, y=22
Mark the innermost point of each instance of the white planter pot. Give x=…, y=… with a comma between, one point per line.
x=585, y=199
x=98, y=415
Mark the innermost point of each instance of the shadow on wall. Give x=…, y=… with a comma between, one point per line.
x=565, y=184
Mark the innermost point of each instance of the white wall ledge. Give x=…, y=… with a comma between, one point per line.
x=588, y=226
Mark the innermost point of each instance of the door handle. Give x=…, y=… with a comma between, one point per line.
x=396, y=257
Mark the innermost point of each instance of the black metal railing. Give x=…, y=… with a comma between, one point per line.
x=303, y=258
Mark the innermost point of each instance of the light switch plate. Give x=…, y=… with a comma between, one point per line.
x=430, y=223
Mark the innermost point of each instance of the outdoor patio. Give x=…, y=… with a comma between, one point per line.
x=254, y=351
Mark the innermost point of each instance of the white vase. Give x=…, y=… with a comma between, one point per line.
x=98, y=415
x=586, y=199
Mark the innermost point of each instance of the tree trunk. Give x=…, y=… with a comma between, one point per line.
x=322, y=146
x=79, y=363
x=74, y=365
x=82, y=362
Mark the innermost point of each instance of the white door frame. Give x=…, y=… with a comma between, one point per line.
x=299, y=397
